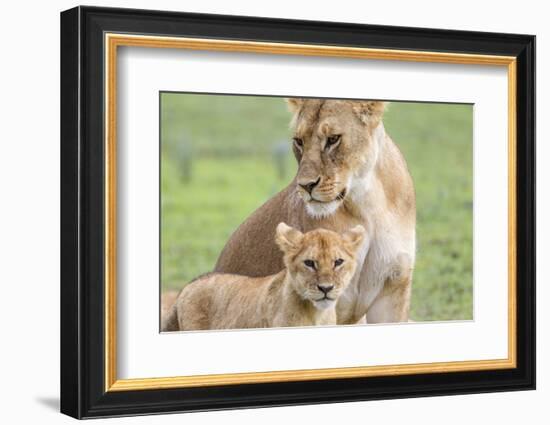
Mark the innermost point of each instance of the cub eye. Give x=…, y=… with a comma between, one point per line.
x=310, y=264
x=298, y=142
x=338, y=262
x=332, y=140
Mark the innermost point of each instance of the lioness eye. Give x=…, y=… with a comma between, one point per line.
x=310, y=264
x=332, y=140
x=338, y=262
x=298, y=142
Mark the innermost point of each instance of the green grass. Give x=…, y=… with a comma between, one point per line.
x=200, y=211
x=223, y=125
x=436, y=141
x=198, y=218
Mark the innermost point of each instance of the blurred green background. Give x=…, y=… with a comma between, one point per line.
x=223, y=156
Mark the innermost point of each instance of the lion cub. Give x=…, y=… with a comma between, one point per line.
x=318, y=267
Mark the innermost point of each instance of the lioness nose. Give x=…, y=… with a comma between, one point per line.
x=325, y=288
x=310, y=185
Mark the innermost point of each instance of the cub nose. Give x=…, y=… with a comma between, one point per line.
x=310, y=185
x=325, y=288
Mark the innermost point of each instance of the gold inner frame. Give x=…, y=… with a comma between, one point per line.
x=113, y=41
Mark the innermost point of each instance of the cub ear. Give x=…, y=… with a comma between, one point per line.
x=288, y=238
x=355, y=237
x=369, y=111
x=294, y=104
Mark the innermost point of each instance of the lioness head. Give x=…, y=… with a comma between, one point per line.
x=336, y=145
x=321, y=262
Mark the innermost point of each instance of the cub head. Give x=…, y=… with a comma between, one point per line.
x=321, y=263
x=336, y=143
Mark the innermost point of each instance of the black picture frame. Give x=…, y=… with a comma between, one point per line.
x=83, y=392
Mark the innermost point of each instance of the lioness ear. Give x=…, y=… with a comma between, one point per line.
x=369, y=111
x=288, y=238
x=355, y=236
x=294, y=104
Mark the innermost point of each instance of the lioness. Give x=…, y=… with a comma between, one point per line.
x=318, y=267
x=350, y=172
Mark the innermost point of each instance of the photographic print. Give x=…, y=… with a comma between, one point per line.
x=280, y=212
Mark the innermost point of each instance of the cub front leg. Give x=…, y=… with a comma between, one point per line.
x=393, y=302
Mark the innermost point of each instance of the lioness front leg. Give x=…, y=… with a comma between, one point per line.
x=362, y=320
x=393, y=302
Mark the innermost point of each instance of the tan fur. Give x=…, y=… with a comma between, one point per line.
x=367, y=170
x=292, y=297
x=167, y=299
